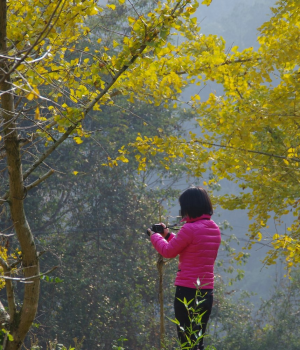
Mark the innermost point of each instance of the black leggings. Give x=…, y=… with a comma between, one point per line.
x=182, y=315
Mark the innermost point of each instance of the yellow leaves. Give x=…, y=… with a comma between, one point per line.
x=61, y=129
x=292, y=152
x=131, y=99
x=37, y=113
x=33, y=94
x=190, y=10
x=289, y=247
x=206, y=2
x=72, y=96
x=131, y=19
x=197, y=97
x=112, y=7
x=194, y=20
x=239, y=256
x=92, y=11
x=259, y=236
x=122, y=158
x=78, y=140
x=121, y=1
x=82, y=91
x=75, y=172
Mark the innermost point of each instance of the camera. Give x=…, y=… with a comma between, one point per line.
x=157, y=228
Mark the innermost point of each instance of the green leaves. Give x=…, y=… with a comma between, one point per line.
x=51, y=279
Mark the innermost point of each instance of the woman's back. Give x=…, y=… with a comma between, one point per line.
x=198, y=258
x=197, y=244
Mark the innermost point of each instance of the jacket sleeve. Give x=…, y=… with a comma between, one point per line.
x=172, y=235
x=174, y=246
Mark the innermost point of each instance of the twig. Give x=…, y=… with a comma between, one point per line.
x=247, y=150
x=25, y=279
x=21, y=59
x=40, y=179
x=50, y=150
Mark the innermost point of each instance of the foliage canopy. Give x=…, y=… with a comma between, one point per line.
x=249, y=134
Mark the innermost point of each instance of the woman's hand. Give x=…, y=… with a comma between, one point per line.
x=150, y=232
x=164, y=234
x=166, y=230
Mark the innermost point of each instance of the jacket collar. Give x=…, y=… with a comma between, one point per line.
x=202, y=217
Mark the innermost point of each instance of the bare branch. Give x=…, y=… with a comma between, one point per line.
x=40, y=179
x=4, y=235
x=50, y=150
x=27, y=279
x=248, y=151
x=21, y=59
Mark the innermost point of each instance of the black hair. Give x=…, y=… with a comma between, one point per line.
x=195, y=202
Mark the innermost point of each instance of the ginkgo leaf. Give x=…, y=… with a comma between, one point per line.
x=78, y=140
x=37, y=113
x=33, y=94
x=113, y=7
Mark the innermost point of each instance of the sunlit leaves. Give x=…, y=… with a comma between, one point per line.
x=76, y=75
x=206, y=2
x=250, y=134
x=112, y=6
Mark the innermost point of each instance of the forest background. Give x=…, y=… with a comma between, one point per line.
x=89, y=219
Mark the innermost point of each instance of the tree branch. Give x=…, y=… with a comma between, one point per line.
x=50, y=150
x=27, y=279
x=40, y=179
x=248, y=151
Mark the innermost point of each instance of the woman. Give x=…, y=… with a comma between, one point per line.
x=197, y=245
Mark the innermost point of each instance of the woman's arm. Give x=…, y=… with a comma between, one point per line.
x=174, y=246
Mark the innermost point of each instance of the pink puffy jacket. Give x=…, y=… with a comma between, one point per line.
x=197, y=244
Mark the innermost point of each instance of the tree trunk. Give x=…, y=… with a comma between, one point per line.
x=20, y=321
